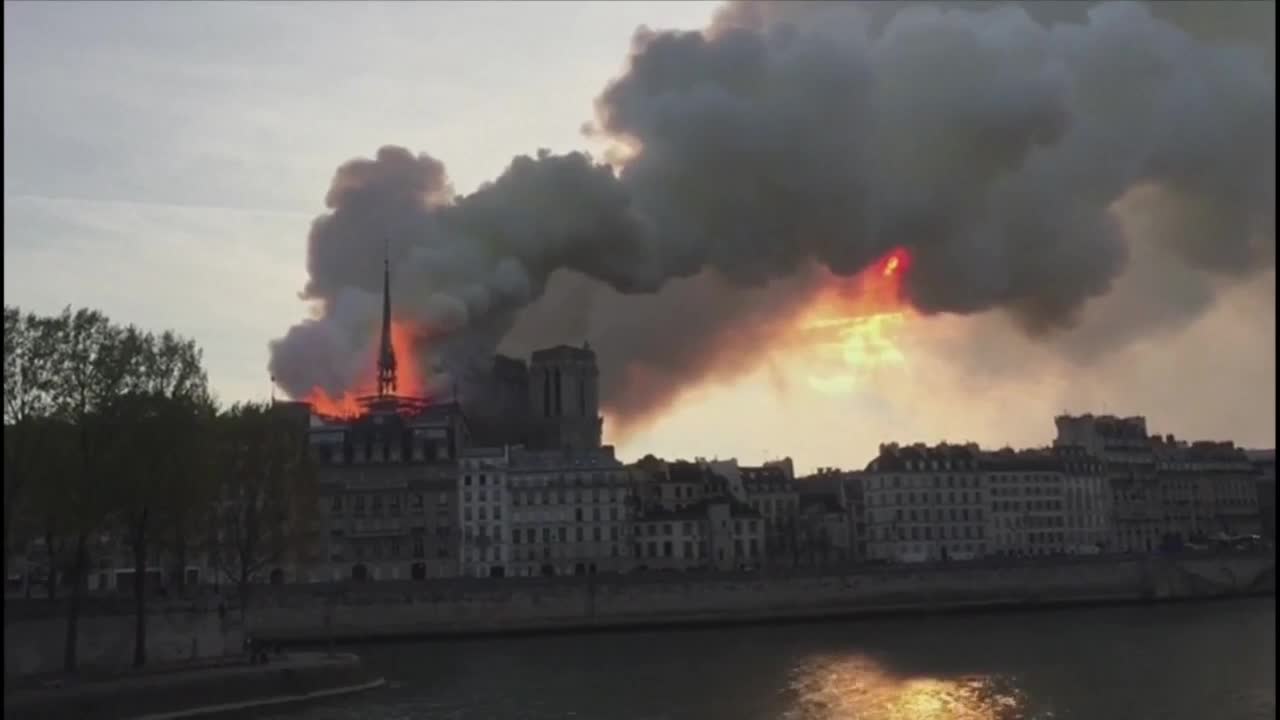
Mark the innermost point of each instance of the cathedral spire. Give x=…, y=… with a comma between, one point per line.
x=386, y=351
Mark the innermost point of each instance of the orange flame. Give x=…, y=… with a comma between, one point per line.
x=409, y=379
x=855, y=324
x=342, y=406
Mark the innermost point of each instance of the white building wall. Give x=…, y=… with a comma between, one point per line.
x=484, y=507
x=1028, y=512
x=569, y=519
x=916, y=515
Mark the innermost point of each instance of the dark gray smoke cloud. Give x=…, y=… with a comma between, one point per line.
x=993, y=141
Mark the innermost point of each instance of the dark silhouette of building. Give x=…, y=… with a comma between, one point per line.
x=564, y=387
x=386, y=351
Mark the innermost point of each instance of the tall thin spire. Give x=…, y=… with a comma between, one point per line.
x=387, y=351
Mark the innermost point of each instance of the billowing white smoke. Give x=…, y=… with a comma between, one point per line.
x=992, y=144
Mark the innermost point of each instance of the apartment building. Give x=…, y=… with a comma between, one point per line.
x=1165, y=491
x=673, y=539
x=1264, y=462
x=387, y=485
x=1087, y=500
x=770, y=491
x=1027, y=493
x=925, y=503
x=484, y=512
x=1209, y=489
x=1129, y=463
x=571, y=512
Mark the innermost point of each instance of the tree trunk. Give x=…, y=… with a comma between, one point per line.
x=140, y=590
x=8, y=523
x=51, y=579
x=242, y=590
x=73, y=607
x=180, y=560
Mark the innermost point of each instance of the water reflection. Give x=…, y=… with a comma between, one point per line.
x=1040, y=666
x=856, y=686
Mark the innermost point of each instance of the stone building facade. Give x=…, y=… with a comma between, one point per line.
x=1167, y=492
x=1264, y=463
x=925, y=503
x=564, y=394
x=571, y=512
x=1124, y=447
x=387, y=483
x=1209, y=489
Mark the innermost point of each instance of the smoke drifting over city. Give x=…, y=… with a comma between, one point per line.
x=754, y=163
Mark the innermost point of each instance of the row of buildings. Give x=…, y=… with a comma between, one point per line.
x=417, y=491
x=1104, y=485
x=411, y=489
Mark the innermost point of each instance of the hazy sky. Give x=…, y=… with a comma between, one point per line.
x=164, y=161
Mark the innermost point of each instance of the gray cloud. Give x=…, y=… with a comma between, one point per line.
x=995, y=142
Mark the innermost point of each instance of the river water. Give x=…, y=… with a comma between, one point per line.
x=1210, y=661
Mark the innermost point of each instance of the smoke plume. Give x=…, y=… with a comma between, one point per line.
x=790, y=142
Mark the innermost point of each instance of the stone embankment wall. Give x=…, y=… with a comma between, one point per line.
x=33, y=641
x=315, y=614
x=406, y=609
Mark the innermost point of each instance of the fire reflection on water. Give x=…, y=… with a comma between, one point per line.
x=857, y=688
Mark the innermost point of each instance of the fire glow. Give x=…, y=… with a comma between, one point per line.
x=409, y=380
x=856, y=323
